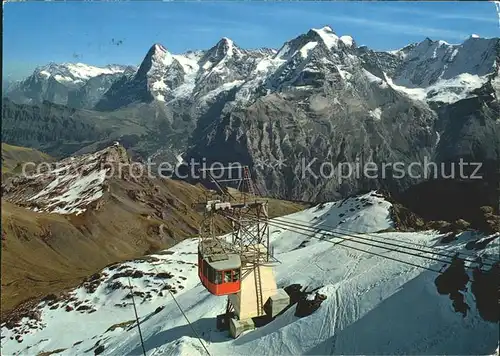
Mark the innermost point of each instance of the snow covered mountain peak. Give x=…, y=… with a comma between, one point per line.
x=327, y=36
x=347, y=40
x=159, y=47
x=69, y=186
x=160, y=71
x=326, y=29
x=330, y=38
x=76, y=85
x=225, y=48
x=474, y=36
x=157, y=56
x=227, y=45
x=322, y=39
x=75, y=73
x=428, y=62
x=428, y=43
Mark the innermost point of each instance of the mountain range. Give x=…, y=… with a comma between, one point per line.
x=76, y=85
x=318, y=98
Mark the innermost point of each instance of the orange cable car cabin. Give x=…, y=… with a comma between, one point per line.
x=219, y=268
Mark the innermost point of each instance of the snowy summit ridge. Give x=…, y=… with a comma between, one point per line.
x=70, y=186
x=226, y=67
x=172, y=77
x=76, y=72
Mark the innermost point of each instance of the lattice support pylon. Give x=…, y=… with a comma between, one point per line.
x=249, y=217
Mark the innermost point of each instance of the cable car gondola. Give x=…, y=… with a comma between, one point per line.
x=219, y=268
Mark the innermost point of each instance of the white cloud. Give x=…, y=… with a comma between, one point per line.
x=403, y=28
x=450, y=15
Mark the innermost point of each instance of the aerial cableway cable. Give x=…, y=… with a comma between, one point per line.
x=311, y=234
x=136, y=317
x=313, y=231
x=374, y=235
x=355, y=248
x=351, y=238
x=346, y=238
x=483, y=258
x=183, y=314
x=428, y=250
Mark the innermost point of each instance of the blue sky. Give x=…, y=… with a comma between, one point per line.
x=100, y=33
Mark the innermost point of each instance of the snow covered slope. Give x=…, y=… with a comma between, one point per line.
x=76, y=72
x=375, y=305
x=429, y=61
x=69, y=186
x=446, y=72
x=72, y=84
x=446, y=91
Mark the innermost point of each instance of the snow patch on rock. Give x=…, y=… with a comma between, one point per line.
x=66, y=187
x=329, y=38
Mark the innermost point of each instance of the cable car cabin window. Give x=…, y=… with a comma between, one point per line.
x=205, y=268
x=236, y=275
x=211, y=274
x=218, y=277
x=227, y=276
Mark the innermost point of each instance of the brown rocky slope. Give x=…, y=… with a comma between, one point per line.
x=58, y=228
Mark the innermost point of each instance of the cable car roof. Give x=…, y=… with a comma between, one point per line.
x=224, y=262
x=219, y=254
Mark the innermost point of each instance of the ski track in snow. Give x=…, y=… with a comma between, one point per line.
x=374, y=305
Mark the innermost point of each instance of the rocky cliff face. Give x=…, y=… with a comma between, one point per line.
x=300, y=158
x=53, y=128
x=327, y=103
